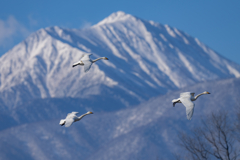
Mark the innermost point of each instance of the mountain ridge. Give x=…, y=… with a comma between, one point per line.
x=146, y=59
x=148, y=130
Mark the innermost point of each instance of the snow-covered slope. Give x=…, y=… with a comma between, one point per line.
x=147, y=131
x=145, y=59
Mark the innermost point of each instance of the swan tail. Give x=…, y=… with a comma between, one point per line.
x=174, y=101
x=75, y=64
x=174, y=104
x=62, y=122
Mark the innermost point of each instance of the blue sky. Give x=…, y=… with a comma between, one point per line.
x=215, y=22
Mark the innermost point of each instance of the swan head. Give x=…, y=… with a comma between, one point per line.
x=105, y=58
x=206, y=92
x=62, y=122
x=89, y=112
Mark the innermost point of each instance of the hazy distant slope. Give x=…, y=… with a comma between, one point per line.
x=149, y=131
x=146, y=131
x=145, y=59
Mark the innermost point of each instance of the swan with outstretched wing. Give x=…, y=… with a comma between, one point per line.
x=72, y=117
x=87, y=62
x=187, y=99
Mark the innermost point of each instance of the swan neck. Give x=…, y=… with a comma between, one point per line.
x=97, y=59
x=80, y=117
x=198, y=95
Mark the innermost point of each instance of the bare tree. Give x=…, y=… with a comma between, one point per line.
x=237, y=125
x=213, y=140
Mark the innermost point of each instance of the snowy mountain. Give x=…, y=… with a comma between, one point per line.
x=145, y=59
x=147, y=131
x=132, y=119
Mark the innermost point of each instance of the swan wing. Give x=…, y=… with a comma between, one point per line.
x=87, y=65
x=69, y=122
x=185, y=94
x=81, y=56
x=70, y=115
x=186, y=101
x=86, y=57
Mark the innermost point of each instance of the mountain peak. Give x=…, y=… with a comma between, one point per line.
x=116, y=16
x=152, y=59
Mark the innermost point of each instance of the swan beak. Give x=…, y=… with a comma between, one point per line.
x=106, y=58
x=208, y=93
x=90, y=112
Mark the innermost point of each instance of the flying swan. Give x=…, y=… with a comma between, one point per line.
x=186, y=99
x=87, y=62
x=72, y=117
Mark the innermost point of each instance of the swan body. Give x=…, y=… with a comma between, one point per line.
x=187, y=99
x=72, y=117
x=87, y=62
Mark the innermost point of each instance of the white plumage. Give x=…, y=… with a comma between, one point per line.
x=72, y=117
x=186, y=99
x=87, y=62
